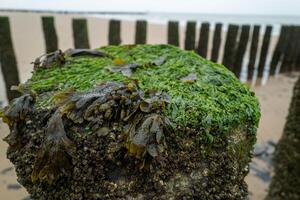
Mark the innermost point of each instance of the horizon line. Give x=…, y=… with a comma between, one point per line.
x=131, y=12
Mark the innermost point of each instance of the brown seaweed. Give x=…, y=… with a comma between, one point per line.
x=157, y=62
x=16, y=112
x=123, y=103
x=112, y=109
x=18, y=108
x=190, y=78
x=54, y=159
x=85, y=52
x=24, y=89
x=148, y=137
x=47, y=60
x=127, y=69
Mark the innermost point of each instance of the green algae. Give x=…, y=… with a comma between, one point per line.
x=216, y=102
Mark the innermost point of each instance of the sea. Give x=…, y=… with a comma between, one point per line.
x=162, y=18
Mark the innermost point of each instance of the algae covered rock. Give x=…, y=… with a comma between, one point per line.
x=132, y=122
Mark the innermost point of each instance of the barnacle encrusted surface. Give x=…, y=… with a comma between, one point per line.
x=132, y=122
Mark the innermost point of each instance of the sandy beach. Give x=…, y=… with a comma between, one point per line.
x=28, y=43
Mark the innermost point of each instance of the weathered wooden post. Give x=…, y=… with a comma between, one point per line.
x=287, y=62
x=297, y=61
x=149, y=127
x=190, y=36
x=230, y=46
x=279, y=49
x=141, y=32
x=114, y=33
x=241, y=49
x=264, y=51
x=216, y=42
x=285, y=183
x=296, y=49
x=50, y=36
x=253, y=51
x=8, y=60
x=80, y=34
x=173, y=33
x=287, y=49
x=203, y=40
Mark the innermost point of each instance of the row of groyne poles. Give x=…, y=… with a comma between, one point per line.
x=285, y=58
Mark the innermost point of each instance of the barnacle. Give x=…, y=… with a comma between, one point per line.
x=54, y=159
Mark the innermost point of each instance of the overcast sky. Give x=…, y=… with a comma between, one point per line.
x=258, y=7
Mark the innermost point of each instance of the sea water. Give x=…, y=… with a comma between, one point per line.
x=162, y=18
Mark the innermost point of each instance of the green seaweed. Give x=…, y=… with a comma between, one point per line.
x=216, y=101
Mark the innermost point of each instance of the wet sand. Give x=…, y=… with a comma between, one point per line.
x=28, y=43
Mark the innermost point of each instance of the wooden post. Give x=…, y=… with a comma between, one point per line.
x=230, y=46
x=190, y=36
x=241, y=49
x=80, y=34
x=203, y=40
x=286, y=49
x=50, y=36
x=173, y=33
x=264, y=51
x=287, y=61
x=114, y=34
x=253, y=51
x=279, y=49
x=8, y=60
x=141, y=32
x=297, y=62
x=296, y=49
x=216, y=42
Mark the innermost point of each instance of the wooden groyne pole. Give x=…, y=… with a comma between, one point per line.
x=50, y=36
x=264, y=51
x=8, y=60
x=253, y=51
x=294, y=49
x=80, y=34
x=203, y=40
x=241, y=50
x=114, y=33
x=141, y=32
x=190, y=36
x=279, y=50
x=230, y=46
x=173, y=33
x=216, y=42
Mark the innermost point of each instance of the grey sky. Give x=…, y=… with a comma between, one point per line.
x=259, y=7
